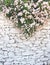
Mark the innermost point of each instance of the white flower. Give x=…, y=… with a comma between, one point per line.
x=24, y=11
x=35, y=5
x=32, y=24
x=45, y=3
x=40, y=1
x=26, y=4
x=20, y=14
x=37, y=24
x=45, y=12
x=22, y=20
x=48, y=7
x=16, y=2
x=7, y=10
x=37, y=18
x=30, y=16
x=33, y=11
x=27, y=12
x=21, y=2
x=29, y=6
x=2, y=0
x=15, y=9
x=42, y=21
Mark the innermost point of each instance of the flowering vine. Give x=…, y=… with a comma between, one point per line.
x=27, y=14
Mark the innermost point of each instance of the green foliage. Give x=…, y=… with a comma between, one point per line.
x=19, y=24
x=25, y=1
x=0, y=8
x=9, y=14
x=49, y=3
x=46, y=0
x=1, y=5
x=26, y=20
x=8, y=2
x=35, y=1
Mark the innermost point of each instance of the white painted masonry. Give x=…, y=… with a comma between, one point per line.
x=14, y=50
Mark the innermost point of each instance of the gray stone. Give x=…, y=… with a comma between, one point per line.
x=1, y=63
x=7, y=63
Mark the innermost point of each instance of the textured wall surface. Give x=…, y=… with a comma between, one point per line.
x=14, y=50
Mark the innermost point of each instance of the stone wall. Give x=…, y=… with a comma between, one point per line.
x=16, y=50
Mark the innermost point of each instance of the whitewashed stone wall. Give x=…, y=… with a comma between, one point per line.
x=14, y=50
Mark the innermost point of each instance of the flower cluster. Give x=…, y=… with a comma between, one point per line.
x=27, y=14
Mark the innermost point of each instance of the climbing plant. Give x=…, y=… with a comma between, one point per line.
x=23, y=14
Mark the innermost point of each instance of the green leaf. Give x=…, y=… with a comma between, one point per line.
x=0, y=8
x=31, y=30
x=46, y=0
x=35, y=1
x=49, y=3
x=9, y=14
x=29, y=21
x=25, y=1
x=40, y=5
x=8, y=2
x=19, y=23
x=25, y=8
x=27, y=32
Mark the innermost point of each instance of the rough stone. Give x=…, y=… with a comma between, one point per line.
x=1, y=64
